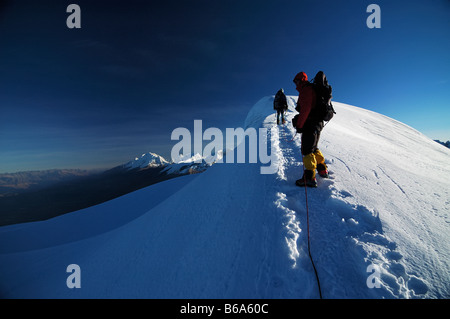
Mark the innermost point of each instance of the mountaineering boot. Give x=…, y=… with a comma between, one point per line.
x=307, y=179
x=322, y=170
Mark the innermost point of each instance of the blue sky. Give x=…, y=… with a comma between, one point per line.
x=98, y=96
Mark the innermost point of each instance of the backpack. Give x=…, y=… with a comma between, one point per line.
x=324, y=108
x=280, y=102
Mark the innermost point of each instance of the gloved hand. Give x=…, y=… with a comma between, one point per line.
x=294, y=124
x=294, y=121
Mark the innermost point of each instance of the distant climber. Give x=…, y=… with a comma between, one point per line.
x=310, y=124
x=280, y=105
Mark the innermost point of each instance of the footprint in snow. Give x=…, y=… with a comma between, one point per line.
x=365, y=229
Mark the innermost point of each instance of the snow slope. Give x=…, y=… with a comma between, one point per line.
x=232, y=232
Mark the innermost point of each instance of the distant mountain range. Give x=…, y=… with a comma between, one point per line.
x=13, y=183
x=39, y=195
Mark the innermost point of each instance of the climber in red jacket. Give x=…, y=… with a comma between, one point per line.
x=310, y=126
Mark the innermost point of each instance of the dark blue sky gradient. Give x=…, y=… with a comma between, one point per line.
x=116, y=88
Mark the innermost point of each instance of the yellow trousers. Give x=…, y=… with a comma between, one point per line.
x=311, y=161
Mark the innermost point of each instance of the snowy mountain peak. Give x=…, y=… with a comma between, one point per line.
x=189, y=164
x=146, y=160
x=186, y=165
x=199, y=159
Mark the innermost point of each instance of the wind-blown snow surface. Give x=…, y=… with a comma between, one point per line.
x=231, y=232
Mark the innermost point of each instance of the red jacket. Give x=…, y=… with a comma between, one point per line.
x=306, y=101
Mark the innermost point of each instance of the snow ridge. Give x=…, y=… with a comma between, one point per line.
x=346, y=226
x=232, y=232
x=353, y=235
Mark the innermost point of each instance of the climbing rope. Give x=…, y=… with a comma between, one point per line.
x=309, y=240
x=307, y=226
